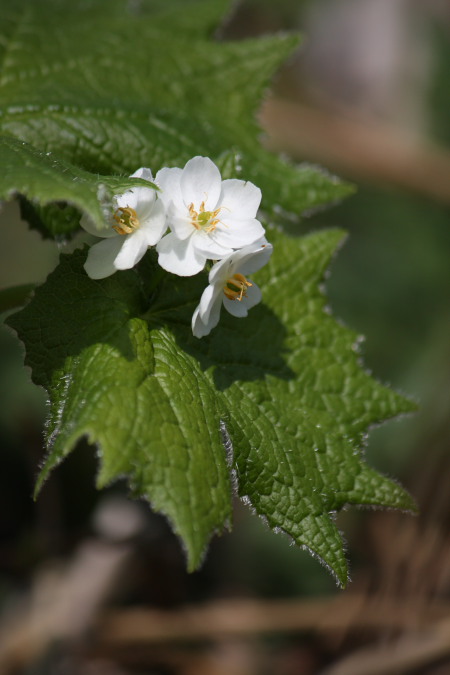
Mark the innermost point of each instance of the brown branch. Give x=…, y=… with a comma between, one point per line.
x=409, y=652
x=65, y=599
x=132, y=627
x=359, y=150
x=63, y=603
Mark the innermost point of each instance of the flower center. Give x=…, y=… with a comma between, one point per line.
x=236, y=287
x=203, y=220
x=126, y=219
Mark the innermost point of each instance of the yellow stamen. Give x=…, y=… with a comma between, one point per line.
x=126, y=219
x=236, y=287
x=203, y=220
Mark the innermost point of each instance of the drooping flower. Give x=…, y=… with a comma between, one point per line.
x=229, y=286
x=139, y=221
x=208, y=217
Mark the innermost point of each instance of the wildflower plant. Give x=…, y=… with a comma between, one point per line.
x=209, y=218
x=229, y=286
x=128, y=336
x=137, y=222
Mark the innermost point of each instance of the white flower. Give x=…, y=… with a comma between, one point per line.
x=208, y=217
x=138, y=222
x=228, y=285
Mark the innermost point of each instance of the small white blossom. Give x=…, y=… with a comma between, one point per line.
x=229, y=286
x=138, y=222
x=208, y=217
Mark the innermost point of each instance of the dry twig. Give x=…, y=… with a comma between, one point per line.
x=359, y=150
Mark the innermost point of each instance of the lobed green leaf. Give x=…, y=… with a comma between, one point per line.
x=283, y=389
x=108, y=88
x=276, y=406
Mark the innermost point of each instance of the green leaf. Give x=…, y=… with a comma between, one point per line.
x=111, y=86
x=276, y=406
x=43, y=180
x=54, y=220
x=139, y=396
x=15, y=296
x=283, y=390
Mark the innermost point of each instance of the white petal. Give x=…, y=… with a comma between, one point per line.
x=180, y=225
x=169, y=182
x=201, y=182
x=138, y=196
x=220, y=272
x=199, y=329
x=235, y=233
x=205, y=244
x=144, y=173
x=89, y=225
x=145, y=197
x=235, y=307
x=128, y=198
x=179, y=256
x=214, y=314
x=240, y=198
x=133, y=249
x=240, y=308
x=100, y=260
x=253, y=296
x=155, y=225
x=253, y=257
x=211, y=296
x=142, y=200
x=202, y=324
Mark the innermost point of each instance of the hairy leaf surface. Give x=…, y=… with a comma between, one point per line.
x=276, y=406
x=283, y=388
x=111, y=86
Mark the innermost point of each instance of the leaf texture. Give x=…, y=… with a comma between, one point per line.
x=109, y=88
x=283, y=388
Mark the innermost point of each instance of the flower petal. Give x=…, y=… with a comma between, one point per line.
x=207, y=315
x=180, y=225
x=100, y=260
x=234, y=233
x=240, y=308
x=144, y=173
x=129, y=198
x=89, y=225
x=235, y=307
x=253, y=257
x=220, y=272
x=206, y=245
x=201, y=182
x=253, y=296
x=199, y=329
x=155, y=225
x=140, y=199
x=179, y=256
x=169, y=182
x=133, y=249
x=210, y=297
x=240, y=198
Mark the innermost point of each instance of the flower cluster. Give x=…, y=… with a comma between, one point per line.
x=209, y=219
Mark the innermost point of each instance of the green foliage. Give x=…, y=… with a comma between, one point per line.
x=15, y=296
x=276, y=406
x=46, y=181
x=284, y=386
x=108, y=89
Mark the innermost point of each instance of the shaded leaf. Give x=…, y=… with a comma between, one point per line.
x=283, y=388
x=120, y=86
